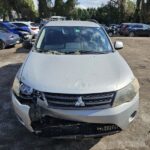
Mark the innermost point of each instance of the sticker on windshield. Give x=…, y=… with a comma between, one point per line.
x=77, y=30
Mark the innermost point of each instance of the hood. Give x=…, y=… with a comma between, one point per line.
x=76, y=74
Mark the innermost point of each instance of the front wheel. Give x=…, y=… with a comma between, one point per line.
x=2, y=45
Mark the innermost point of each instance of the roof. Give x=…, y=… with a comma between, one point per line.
x=58, y=17
x=73, y=23
x=24, y=22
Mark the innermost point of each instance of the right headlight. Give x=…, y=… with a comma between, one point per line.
x=127, y=93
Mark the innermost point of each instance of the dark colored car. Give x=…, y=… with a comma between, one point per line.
x=110, y=31
x=115, y=28
x=14, y=29
x=8, y=39
x=136, y=29
x=123, y=28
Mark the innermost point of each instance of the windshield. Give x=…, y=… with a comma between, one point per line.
x=10, y=25
x=3, y=30
x=73, y=39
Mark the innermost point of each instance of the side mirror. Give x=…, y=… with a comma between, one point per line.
x=118, y=45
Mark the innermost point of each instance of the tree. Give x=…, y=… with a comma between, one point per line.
x=59, y=7
x=24, y=7
x=44, y=11
x=142, y=12
x=70, y=7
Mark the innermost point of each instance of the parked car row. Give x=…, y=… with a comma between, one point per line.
x=135, y=29
x=30, y=27
x=16, y=32
x=128, y=29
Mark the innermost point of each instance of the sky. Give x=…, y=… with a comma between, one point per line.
x=86, y=3
x=91, y=3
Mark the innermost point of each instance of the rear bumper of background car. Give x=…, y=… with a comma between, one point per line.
x=76, y=122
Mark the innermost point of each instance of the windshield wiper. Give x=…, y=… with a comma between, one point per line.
x=84, y=52
x=77, y=52
x=49, y=51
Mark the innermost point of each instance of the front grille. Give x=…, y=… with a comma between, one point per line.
x=79, y=101
x=53, y=127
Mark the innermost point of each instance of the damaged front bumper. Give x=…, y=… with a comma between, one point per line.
x=42, y=120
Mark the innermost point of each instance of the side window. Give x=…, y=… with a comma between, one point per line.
x=146, y=27
x=20, y=24
x=138, y=26
x=1, y=26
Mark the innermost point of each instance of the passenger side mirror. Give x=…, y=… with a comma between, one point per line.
x=118, y=45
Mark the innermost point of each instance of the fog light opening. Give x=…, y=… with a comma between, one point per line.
x=132, y=116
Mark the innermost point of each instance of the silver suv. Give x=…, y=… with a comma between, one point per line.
x=75, y=83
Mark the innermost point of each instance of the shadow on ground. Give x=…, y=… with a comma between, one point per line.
x=22, y=50
x=14, y=136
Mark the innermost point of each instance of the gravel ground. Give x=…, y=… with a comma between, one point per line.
x=13, y=136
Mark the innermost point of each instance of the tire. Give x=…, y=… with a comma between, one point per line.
x=131, y=34
x=2, y=45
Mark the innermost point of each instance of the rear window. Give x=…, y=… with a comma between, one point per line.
x=20, y=24
x=10, y=25
x=138, y=26
x=34, y=24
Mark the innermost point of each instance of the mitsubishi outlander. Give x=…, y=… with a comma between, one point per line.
x=74, y=83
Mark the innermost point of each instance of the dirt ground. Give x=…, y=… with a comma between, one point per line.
x=13, y=136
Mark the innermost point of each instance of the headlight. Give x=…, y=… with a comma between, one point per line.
x=16, y=86
x=21, y=88
x=127, y=94
x=25, y=89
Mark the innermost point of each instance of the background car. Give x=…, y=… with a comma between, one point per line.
x=135, y=29
x=14, y=29
x=22, y=26
x=111, y=31
x=7, y=38
x=115, y=27
x=43, y=23
x=31, y=27
x=123, y=27
x=138, y=30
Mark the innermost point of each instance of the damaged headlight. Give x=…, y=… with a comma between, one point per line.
x=127, y=93
x=25, y=89
x=22, y=88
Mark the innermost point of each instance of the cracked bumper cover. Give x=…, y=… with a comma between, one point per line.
x=119, y=116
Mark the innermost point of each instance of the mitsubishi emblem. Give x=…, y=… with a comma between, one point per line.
x=80, y=102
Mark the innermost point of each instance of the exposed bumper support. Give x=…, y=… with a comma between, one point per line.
x=115, y=119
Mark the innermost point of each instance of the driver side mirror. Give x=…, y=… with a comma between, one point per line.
x=118, y=45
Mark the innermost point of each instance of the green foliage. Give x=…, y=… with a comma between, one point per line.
x=115, y=11
x=59, y=7
x=25, y=8
x=44, y=11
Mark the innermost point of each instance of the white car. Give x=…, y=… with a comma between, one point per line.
x=34, y=29
x=74, y=83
